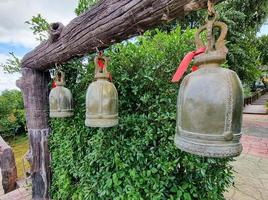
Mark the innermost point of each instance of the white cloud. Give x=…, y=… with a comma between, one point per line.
x=7, y=81
x=14, y=13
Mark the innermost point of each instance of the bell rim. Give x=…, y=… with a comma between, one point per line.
x=61, y=114
x=101, y=123
x=208, y=150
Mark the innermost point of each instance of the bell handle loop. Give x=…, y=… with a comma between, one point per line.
x=198, y=42
x=220, y=43
x=209, y=27
x=97, y=67
x=60, y=78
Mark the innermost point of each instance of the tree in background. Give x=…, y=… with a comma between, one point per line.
x=263, y=48
x=244, y=19
x=12, y=114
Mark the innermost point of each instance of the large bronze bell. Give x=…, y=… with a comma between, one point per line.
x=210, y=102
x=60, y=99
x=101, y=98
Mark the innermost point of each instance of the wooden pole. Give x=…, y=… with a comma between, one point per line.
x=34, y=86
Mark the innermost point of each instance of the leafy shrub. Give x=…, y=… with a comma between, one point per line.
x=137, y=159
x=247, y=91
x=12, y=114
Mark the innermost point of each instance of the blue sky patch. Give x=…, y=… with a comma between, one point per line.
x=18, y=49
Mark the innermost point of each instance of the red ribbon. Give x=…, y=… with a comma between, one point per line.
x=100, y=63
x=185, y=63
x=54, y=84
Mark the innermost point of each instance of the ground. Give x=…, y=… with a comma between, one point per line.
x=20, y=146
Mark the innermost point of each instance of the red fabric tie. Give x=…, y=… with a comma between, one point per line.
x=185, y=63
x=100, y=63
x=54, y=84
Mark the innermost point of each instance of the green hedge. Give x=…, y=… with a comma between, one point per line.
x=12, y=114
x=137, y=159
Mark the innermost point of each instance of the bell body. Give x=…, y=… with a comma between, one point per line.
x=60, y=102
x=101, y=104
x=209, y=112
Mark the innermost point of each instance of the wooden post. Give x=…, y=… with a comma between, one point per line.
x=34, y=85
x=8, y=167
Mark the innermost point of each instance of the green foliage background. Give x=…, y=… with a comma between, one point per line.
x=137, y=159
x=244, y=19
x=12, y=116
x=263, y=48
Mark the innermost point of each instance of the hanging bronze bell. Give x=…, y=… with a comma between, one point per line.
x=210, y=102
x=60, y=99
x=101, y=98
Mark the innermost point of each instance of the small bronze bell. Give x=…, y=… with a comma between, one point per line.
x=101, y=98
x=60, y=99
x=210, y=102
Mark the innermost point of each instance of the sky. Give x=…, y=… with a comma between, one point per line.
x=15, y=35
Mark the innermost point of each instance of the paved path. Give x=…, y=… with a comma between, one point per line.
x=255, y=109
x=258, y=106
x=251, y=177
x=23, y=193
x=262, y=100
x=19, y=194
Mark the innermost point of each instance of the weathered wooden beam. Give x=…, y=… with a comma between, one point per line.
x=34, y=85
x=108, y=22
x=8, y=167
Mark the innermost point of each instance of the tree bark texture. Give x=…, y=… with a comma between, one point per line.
x=34, y=85
x=8, y=167
x=108, y=22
